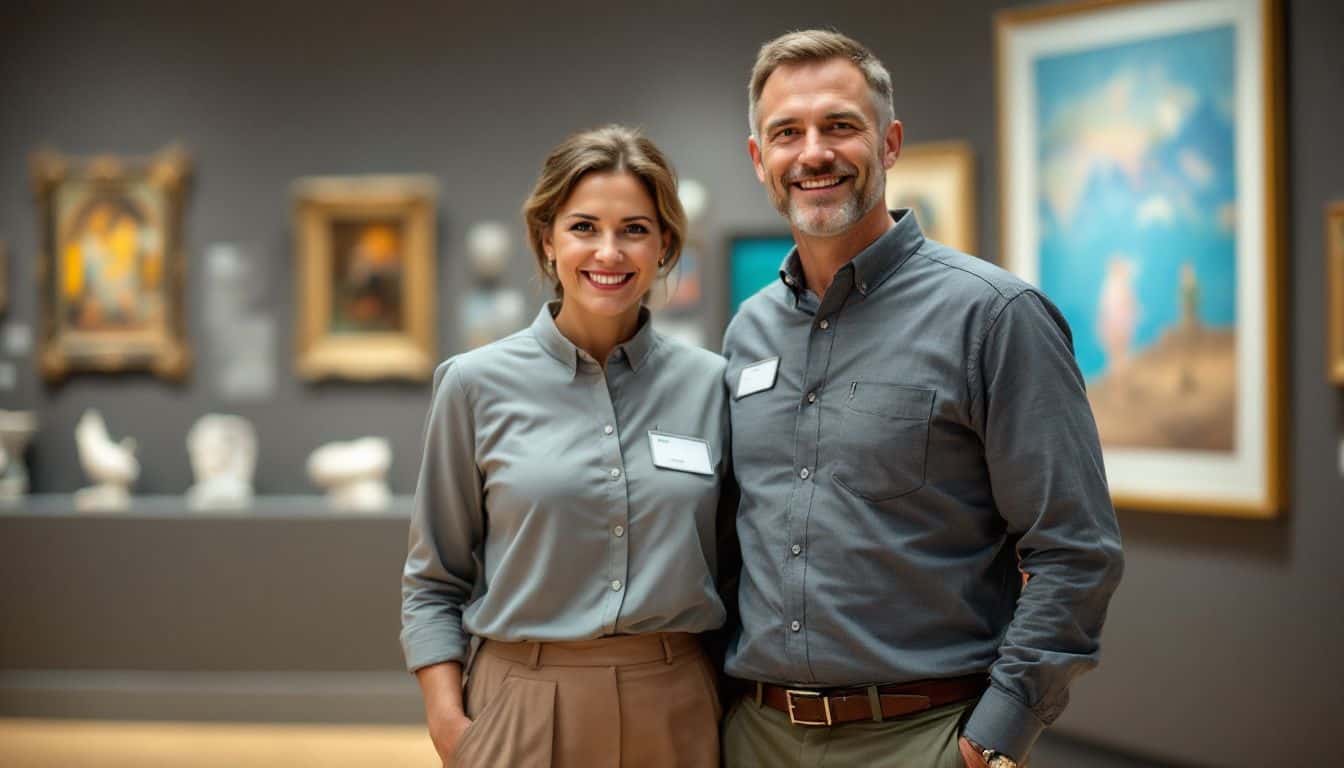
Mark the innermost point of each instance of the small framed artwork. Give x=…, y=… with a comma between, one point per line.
x=1142, y=185
x=937, y=182
x=366, y=286
x=1334, y=245
x=753, y=262
x=111, y=267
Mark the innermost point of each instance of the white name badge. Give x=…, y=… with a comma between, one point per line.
x=757, y=377
x=684, y=454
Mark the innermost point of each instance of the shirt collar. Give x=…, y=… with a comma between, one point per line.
x=874, y=264
x=635, y=351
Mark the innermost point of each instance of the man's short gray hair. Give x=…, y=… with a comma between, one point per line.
x=811, y=45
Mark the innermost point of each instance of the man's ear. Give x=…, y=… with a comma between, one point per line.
x=754, y=149
x=891, y=143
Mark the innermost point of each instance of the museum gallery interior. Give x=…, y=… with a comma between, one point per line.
x=235, y=242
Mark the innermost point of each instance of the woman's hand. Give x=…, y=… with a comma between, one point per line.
x=445, y=731
x=441, y=686
x=970, y=755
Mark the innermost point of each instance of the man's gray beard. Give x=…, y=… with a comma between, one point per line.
x=840, y=218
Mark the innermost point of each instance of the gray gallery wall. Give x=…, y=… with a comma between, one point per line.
x=1226, y=642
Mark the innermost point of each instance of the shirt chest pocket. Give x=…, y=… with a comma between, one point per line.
x=883, y=439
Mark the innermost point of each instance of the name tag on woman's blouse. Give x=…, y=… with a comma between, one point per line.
x=684, y=454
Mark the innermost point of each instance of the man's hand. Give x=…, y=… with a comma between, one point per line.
x=445, y=731
x=970, y=755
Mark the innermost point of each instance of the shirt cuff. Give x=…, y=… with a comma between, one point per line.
x=435, y=643
x=1002, y=723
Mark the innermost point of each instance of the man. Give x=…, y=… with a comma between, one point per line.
x=909, y=429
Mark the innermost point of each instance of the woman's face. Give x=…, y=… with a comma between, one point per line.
x=605, y=244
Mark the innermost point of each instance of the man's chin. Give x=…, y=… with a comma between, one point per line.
x=821, y=223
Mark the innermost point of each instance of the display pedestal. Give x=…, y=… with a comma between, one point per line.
x=285, y=612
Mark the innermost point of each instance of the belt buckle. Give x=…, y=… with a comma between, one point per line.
x=789, y=696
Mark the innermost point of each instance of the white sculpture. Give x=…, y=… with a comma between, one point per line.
x=16, y=429
x=223, y=452
x=354, y=474
x=112, y=466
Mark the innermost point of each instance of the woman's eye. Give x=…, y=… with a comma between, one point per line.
x=581, y=226
x=637, y=229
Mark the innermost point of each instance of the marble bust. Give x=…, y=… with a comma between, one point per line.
x=223, y=451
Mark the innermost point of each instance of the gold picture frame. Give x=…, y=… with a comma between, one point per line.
x=366, y=277
x=1142, y=190
x=1334, y=254
x=111, y=266
x=937, y=181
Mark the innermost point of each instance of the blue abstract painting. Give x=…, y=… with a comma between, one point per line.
x=1137, y=206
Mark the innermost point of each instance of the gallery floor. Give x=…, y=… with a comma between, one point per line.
x=105, y=744
x=33, y=743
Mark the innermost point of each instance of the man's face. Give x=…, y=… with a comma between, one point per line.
x=820, y=153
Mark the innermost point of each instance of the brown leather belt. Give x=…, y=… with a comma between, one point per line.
x=831, y=706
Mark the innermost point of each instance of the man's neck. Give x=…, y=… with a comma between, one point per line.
x=822, y=257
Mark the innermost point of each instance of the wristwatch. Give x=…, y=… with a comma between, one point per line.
x=994, y=758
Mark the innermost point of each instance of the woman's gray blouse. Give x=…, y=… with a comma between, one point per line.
x=539, y=512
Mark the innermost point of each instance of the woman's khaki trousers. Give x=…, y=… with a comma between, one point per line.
x=639, y=701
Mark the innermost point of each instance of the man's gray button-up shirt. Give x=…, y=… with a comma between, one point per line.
x=949, y=437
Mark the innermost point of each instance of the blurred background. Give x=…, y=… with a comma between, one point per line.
x=166, y=635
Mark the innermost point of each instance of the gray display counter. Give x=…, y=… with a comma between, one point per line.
x=286, y=612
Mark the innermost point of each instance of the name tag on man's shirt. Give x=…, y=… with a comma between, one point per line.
x=757, y=377
x=684, y=454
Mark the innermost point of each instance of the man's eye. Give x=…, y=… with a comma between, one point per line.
x=844, y=126
x=786, y=133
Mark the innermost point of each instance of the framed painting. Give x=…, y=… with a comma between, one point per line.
x=366, y=252
x=1142, y=179
x=937, y=182
x=111, y=267
x=753, y=261
x=1334, y=240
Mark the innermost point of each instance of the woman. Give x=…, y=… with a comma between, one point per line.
x=566, y=507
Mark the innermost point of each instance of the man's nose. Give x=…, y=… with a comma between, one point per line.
x=816, y=151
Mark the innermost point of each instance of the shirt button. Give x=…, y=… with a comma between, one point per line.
x=796, y=549
x=615, y=473
x=796, y=625
x=607, y=430
x=863, y=287
x=825, y=324
x=616, y=585
x=803, y=473
x=811, y=397
x=619, y=531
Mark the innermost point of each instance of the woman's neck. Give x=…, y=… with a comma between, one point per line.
x=597, y=335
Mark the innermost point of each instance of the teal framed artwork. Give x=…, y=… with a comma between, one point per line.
x=753, y=262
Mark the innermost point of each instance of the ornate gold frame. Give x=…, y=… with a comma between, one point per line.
x=321, y=354
x=163, y=349
x=945, y=157
x=1270, y=71
x=1334, y=254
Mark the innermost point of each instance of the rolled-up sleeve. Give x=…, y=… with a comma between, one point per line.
x=447, y=529
x=1049, y=485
